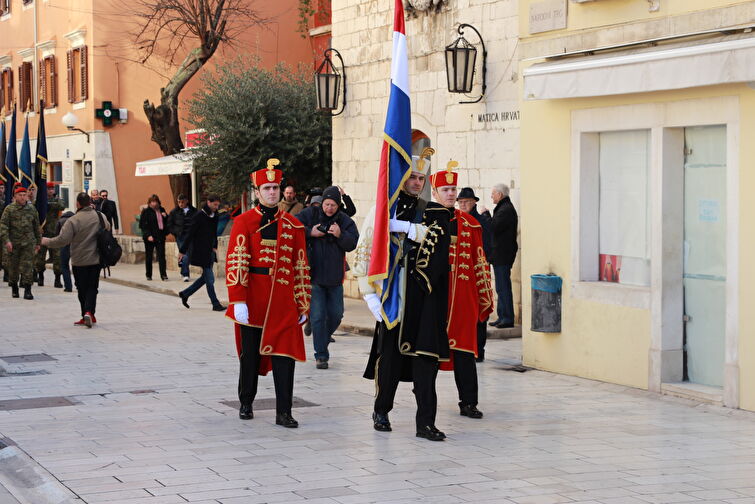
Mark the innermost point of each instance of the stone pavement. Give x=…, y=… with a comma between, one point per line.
x=146, y=423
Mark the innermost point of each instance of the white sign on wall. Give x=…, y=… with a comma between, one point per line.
x=547, y=16
x=67, y=172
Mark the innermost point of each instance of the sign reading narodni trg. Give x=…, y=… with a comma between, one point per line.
x=491, y=117
x=547, y=16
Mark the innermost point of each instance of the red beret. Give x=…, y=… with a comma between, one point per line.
x=19, y=189
x=51, y=185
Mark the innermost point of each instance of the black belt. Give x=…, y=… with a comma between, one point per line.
x=259, y=271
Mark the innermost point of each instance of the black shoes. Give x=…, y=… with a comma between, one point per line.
x=149, y=278
x=322, y=364
x=14, y=290
x=67, y=290
x=381, y=422
x=27, y=292
x=431, y=433
x=41, y=278
x=245, y=412
x=286, y=420
x=184, y=299
x=164, y=279
x=495, y=323
x=500, y=324
x=217, y=307
x=57, y=283
x=469, y=410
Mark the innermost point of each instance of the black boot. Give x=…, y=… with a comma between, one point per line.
x=469, y=410
x=14, y=290
x=41, y=278
x=245, y=412
x=286, y=420
x=5, y=276
x=381, y=422
x=27, y=292
x=58, y=285
x=431, y=433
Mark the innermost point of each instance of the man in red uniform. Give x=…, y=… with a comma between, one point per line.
x=470, y=297
x=268, y=281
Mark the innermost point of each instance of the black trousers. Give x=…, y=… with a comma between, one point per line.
x=283, y=372
x=465, y=374
x=388, y=375
x=482, y=338
x=149, y=249
x=87, y=280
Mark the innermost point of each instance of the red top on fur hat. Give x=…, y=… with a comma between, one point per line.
x=267, y=175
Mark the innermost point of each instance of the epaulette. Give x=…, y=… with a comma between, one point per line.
x=290, y=219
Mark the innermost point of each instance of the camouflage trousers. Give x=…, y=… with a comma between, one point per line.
x=42, y=257
x=20, y=264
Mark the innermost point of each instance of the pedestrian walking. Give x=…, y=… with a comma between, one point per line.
x=330, y=234
x=267, y=276
x=55, y=207
x=80, y=232
x=20, y=235
x=109, y=210
x=289, y=203
x=179, y=221
x=94, y=194
x=470, y=297
x=502, y=258
x=154, y=225
x=201, y=244
x=65, y=254
x=2, y=245
x=467, y=201
x=410, y=347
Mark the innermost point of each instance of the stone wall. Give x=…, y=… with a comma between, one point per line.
x=482, y=137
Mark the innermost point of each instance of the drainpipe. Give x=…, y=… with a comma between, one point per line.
x=35, y=63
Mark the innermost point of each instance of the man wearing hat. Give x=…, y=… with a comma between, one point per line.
x=330, y=234
x=54, y=208
x=410, y=349
x=20, y=236
x=467, y=201
x=470, y=298
x=267, y=275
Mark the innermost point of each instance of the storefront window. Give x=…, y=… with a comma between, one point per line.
x=624, y=225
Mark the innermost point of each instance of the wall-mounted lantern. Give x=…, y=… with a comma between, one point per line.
x=328, y=84
x=461, y=57
x=70, y=121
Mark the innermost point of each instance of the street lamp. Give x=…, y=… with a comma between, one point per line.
x=461, y=57
x=327, y=84
x=70, y=121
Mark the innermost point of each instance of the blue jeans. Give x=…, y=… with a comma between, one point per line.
x=184, y=262
x=505, y=308
x=326, y=313
x=65, y=268
x=207, y=279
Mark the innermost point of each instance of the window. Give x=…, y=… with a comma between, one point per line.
x=48, y=82
x=78, y=75
x=6, y=89
x=624, y=225
x=25, y=80
x=4, y=7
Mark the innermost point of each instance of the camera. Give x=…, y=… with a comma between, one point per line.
x=323, y=227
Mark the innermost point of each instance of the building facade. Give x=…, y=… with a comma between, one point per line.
x=75, y=55
x=635, y=182
x=483, y=137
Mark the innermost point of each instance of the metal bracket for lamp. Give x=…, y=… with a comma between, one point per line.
x=80, y=131
x=324, y=96
x=460, y=30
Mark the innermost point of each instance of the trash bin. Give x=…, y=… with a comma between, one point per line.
x=546, y=303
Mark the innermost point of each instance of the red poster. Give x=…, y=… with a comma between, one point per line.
x=610, y=268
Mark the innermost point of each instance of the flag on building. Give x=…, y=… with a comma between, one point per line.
x=40, y=167
x=24, y=161
x=395, y=167
x=11, y=161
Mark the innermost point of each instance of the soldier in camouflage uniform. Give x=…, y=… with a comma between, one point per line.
x=54, y=208
x=20, y=235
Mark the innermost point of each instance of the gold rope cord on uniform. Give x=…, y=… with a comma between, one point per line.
x=301, y=285
x=238, y=263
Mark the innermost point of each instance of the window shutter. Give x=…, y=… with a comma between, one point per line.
x=9, y=83
x=22, y=88
x=28, y=70
x=2, y=94
x=53, y=91
x=84, y=74
x=43, y=82
x=69, y=71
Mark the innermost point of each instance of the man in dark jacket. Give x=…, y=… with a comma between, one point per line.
x=468, y=203
x=109, y=210
x=201, y=244
x=502, y=257
x=179, y=222
x=330, y=234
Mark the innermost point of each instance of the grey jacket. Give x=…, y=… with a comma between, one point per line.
x=80, y=231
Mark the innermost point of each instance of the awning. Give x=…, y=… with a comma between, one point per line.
x=658, y=69
x=177, y=164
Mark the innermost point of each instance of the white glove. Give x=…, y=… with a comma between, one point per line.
x=400, y=226
x=375, y=306
x=302, y=319
x=241, y=313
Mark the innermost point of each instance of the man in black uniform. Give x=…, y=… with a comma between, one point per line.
x=411, y=349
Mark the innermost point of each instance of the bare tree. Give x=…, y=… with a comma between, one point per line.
x=190, y=31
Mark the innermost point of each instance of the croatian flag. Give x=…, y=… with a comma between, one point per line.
x=395, y=168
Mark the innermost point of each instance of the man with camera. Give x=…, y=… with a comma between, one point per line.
x=330, y=234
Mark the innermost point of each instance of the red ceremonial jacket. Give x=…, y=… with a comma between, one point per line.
x=470, y=297
x=276, y=298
